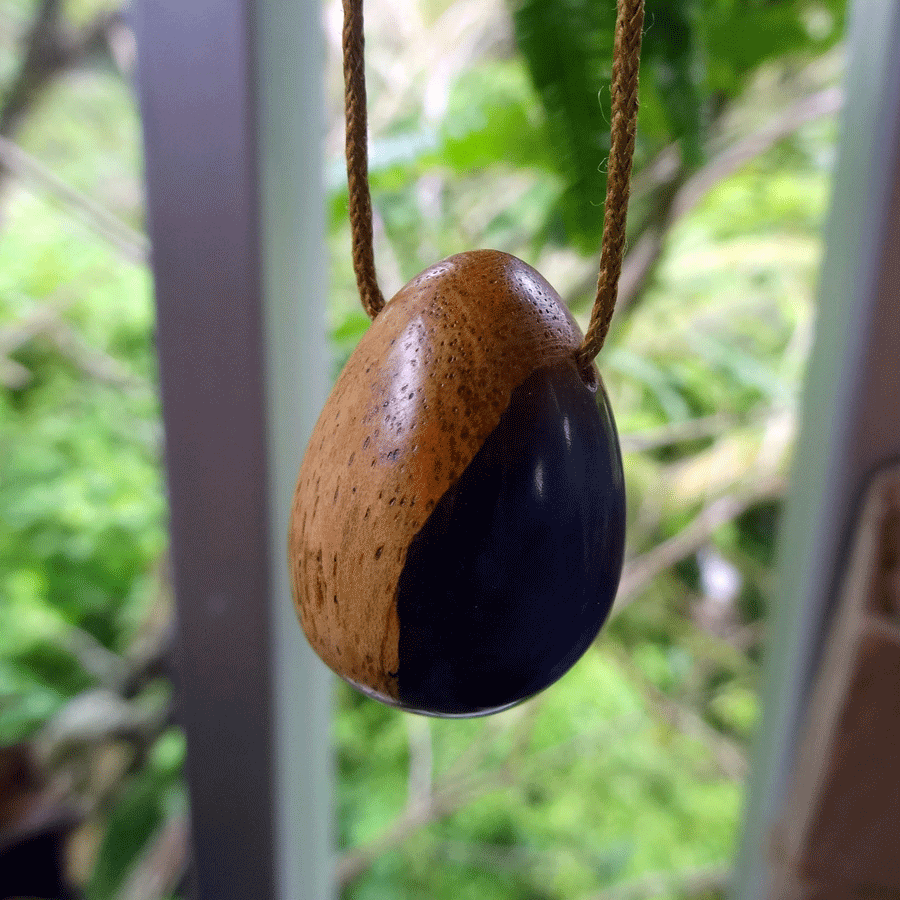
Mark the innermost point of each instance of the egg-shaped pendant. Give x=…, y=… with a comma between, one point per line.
x=457, y=531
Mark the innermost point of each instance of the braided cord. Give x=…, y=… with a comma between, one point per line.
x=358, y=158
x=624, y=91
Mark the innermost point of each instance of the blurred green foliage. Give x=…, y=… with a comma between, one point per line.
x=599, y=781
x=696, y=57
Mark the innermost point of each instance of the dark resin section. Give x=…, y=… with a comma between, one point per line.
x=508, y=582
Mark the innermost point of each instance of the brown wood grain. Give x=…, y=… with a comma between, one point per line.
x=422, y=391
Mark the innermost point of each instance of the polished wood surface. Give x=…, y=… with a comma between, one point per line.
x=417, y=399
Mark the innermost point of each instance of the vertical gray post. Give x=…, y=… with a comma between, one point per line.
x=235, y=216
x=850, y=411
x=290, y=64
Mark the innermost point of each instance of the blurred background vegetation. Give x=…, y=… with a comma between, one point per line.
x=490, y=128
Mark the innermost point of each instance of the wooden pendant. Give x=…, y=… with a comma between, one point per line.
x=457, y=530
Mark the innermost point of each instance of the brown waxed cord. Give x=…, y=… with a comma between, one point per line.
x=358, y=158
x=624, y=93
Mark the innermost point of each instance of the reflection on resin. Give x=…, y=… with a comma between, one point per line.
x=514, y=572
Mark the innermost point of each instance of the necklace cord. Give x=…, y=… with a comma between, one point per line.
x=624, y=94
x=623, y=127
x=360, y=198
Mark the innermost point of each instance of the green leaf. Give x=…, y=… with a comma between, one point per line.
x=696, y=55
x=48, y=663
x=567, y=45
x=494, y=116
x=671, y=62
x=654, y=378
x=131, y=824
x=150, y=795
x=740, y=35
x=745, y=368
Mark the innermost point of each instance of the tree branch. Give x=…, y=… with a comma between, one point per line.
x=735, y=157
x=42, y=59
x=729, y=756
x=98, y=715
x=47, y=322
x=106, y=667
x=442, y=803
x=677, y=433
x=129, y=242
x=455, y=792
x=665, y=170
x=92, y=362
x=163, y=864
x=698, y=882
x=649, y=247
x=49, y=51
x=640, y=571
x=421, y=761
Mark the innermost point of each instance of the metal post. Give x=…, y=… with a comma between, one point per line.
x=290, y=65
x=240, y=342
x=850, y=411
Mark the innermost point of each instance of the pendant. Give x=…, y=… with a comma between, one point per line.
x=457, y=530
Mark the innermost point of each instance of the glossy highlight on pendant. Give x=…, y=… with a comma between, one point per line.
x=458, y=525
